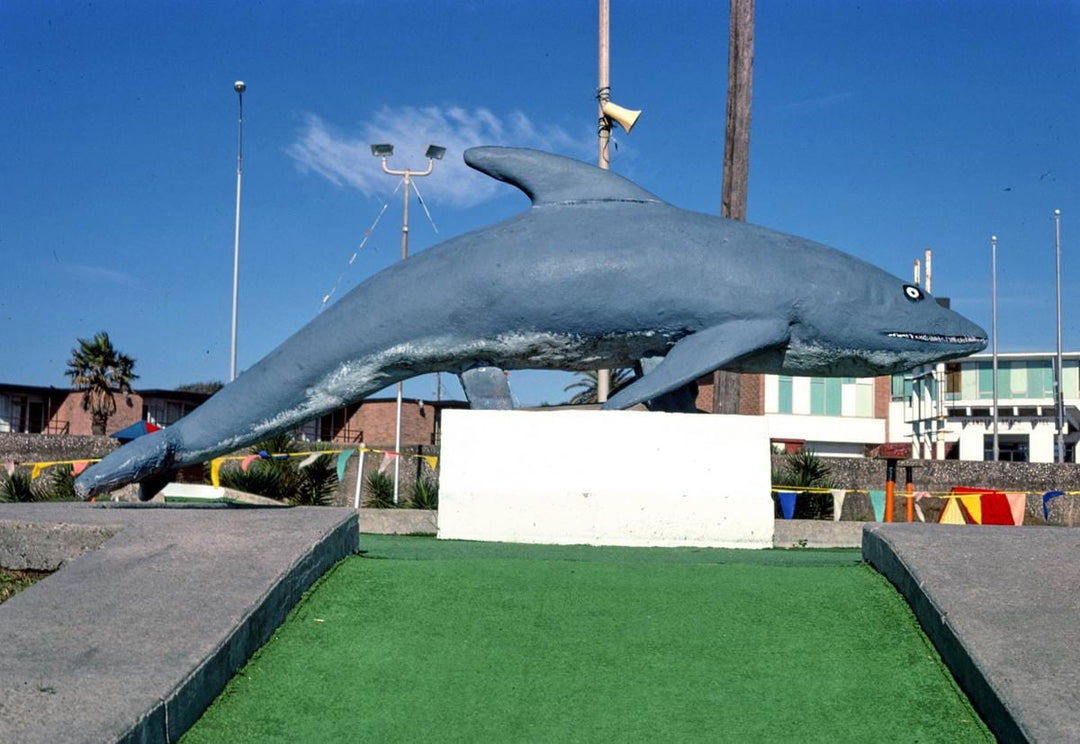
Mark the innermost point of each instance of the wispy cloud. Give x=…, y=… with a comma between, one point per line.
x=100, y=275
x=344, y=157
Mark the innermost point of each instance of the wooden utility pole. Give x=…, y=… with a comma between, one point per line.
x=603, y=376
x=736, y=155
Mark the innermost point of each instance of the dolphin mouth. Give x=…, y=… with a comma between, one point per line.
x=936, y=338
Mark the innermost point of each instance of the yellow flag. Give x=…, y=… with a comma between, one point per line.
x=432, y=461
x=973, y=507
x=215, y=471
x=38, y=467
x=951, y=514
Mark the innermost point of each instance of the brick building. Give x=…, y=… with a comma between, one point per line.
x=28, y=409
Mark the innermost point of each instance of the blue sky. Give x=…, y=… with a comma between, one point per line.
x=881, y=128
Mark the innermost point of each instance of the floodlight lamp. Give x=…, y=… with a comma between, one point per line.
x=434, y=152
x=382, y=151
x=239, y=86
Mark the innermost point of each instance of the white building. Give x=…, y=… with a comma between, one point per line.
x=947, y=410
x=838, y=416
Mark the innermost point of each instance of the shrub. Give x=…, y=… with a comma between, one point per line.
x=425, y=494
x=380, y=490
x=283, y=479
x=56, y=484
x=806, y=470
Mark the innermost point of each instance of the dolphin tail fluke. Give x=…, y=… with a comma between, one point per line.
x=487, y=388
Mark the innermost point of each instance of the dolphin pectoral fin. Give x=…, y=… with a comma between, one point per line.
x=698, y=354
x=680, y=400
x=487, y=388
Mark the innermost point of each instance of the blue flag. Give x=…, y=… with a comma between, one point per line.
x=787, y=503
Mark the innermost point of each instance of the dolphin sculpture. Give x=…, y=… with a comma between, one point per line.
x=597, y=273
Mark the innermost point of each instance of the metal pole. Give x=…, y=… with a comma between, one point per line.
x=397, y=423
x=1059, y=389
x=603, y=133
x=993, y=267
x=239, y=87
x=407, y=175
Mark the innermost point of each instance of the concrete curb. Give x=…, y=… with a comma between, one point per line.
x=132, y=641
x=39, y=546
x=398, y=521
x=999, y=605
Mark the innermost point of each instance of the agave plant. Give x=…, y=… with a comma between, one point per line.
x=379, y=488
x=804, y=469
x=425, y=494
x=282, y=479
x=57, y=484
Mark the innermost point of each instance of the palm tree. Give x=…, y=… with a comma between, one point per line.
x=100, y=371
x=586, y=381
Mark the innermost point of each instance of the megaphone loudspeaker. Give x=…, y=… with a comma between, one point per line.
x=624, y=117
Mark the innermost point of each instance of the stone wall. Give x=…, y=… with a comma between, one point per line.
x=411, y=468
x=941, y=475
x=46, y=448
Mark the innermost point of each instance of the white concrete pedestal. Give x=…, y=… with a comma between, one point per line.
x=605, y=478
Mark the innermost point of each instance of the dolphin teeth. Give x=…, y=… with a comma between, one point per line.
x=936, y=338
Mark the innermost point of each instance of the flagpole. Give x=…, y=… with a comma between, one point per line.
x=239, y=86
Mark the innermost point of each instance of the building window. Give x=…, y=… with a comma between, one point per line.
x=826, y=396
x=1011, y=448
x=954, y=385
x=986, y=380
x=166, y=412
x=901, y=387
x=25, y=414
x=784, y=402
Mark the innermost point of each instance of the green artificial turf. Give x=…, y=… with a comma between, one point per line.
x=421, y=640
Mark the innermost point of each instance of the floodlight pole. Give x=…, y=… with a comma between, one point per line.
x=239, y=87
x=407, y=175
x=993, y=270
x=1059, y=388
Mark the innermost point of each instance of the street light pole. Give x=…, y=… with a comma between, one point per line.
x=993, y=268
x=1059, y=389
x=434, y=152
x=239, y=87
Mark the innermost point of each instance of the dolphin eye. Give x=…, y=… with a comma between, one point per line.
x=913, y=293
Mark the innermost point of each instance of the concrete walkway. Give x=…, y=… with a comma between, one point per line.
x=132, y=639
x=1002, y=606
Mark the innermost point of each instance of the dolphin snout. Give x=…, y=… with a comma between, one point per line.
x=135, y=461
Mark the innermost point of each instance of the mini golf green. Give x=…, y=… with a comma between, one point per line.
x=421, y=640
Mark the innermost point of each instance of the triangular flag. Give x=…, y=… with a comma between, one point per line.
x=388, y=458
x=1018, y=505
x=36, y=471
x=432, y=462
x=877, y=500
x=918, y=509
x=9, y=467
x=996, y=509
x=309, y=460
x=215, y=471
x=78, y=467
x=972, y=507
x=1046, y=499
x=951, y=514
x=787, y=503
x=246, y=462
x=838, y=495
x=342, y=459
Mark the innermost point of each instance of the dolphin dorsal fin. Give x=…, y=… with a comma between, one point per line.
x=554, y=179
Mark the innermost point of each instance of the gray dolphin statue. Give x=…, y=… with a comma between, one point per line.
x=598, y=273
